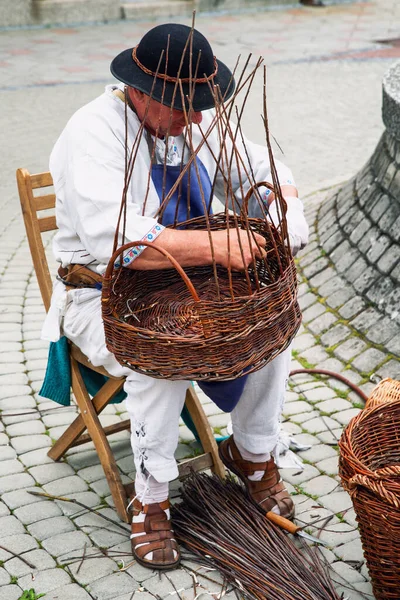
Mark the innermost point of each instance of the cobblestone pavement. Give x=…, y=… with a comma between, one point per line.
x=325, y=72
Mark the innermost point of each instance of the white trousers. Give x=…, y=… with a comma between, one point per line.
x=154, y=405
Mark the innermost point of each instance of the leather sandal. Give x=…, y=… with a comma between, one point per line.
x=270, y=491
x=156, y=539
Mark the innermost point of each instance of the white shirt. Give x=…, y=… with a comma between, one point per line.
x=87, y=165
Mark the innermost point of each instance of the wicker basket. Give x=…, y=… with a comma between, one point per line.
x=169, y=324
x=387, y=390
x=369, y=466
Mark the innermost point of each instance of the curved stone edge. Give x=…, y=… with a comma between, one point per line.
x=391, y=100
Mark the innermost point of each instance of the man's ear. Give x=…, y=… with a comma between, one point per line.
x=136, y=96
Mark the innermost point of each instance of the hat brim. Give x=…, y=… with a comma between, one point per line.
x=124, y=68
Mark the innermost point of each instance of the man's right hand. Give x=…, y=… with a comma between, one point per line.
x=236, y=248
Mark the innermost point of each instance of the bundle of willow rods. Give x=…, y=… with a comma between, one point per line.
x=218, y=523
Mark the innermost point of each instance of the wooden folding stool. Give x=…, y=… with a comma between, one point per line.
x=90, y=408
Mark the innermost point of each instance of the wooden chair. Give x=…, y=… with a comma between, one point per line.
x=89, y=409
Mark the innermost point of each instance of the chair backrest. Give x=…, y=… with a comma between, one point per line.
x=31, y=205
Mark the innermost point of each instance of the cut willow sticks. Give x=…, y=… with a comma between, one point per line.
x=213, y=322
x=218, y=523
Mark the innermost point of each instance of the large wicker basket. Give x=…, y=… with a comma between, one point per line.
x=370, y=470
x=169, y=324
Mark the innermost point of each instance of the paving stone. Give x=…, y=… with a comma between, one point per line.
x=328, y=465
x=314, y=355
x=337, y=502
x=294, y=408
x=304, y=341
x=37, y=512
x=350, y=348
x=307, y=439
x=335, y=335
x=352, y=308
x=307, y=300
x=303, y=417
x=322, y=323
x=7, y=453
x=316, y=394
x=180, y=578
x=10, y=467
x=71, y=591
x=27, y=443
x=320, y=424
x=18, y=544
x=49, y=527
x=344, y=417
x=89, y=498
x=66, y=486
x=10, y=592
x=36, y=457
x=390, y=369
x=66, y=542
x=46, y=580
x=298, y=476
x=9, y=525
x=50, y=472
x=39, y=558
x=334, y=405
x=338, y=533
x=349, y=550
x=318, y=453
x=313, y=312
x=106, y=539
x=4, y=577
x=330, y=437
x=346, y=572
x=389, y=259
x=21, y=497
x=322, y=277
x=15, y=482
x=111, y=586
x=368, y=360
x=315, y=267
x=4, y=439
x=319, y=485
x=365, y=280
x=92, y=569
x=30, y=428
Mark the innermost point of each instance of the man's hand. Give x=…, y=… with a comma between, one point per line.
x=237, y=250
x=192, y=248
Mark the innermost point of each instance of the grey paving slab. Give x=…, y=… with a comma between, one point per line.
x=59, y=545
x=14, y=482
x=50, y=526
x=46, y=580
x=112, y=586
x=71, y=591
x=10, y=592
x=26, y=443
x=40, y=559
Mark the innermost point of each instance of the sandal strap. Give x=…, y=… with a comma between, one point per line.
x=154, y=535
x=269, y=491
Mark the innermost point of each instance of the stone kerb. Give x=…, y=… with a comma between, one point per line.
x=359, y=227
x=391, y=101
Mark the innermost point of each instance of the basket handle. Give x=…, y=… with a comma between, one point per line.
x=251, y=191
x=378, y=486
x=119, y=251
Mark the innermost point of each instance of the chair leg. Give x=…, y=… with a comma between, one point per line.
x=204, y=430
x=100, y=441
x=77, y=427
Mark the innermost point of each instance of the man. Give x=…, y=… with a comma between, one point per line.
x=88, y=168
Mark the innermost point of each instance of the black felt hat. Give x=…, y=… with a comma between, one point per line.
x=137, y=67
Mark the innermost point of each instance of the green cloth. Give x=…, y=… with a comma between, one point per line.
x=57, y=381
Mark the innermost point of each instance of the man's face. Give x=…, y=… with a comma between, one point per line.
x=160, y=118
